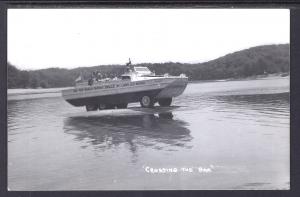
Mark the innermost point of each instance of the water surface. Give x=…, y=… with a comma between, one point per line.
x=237, y=132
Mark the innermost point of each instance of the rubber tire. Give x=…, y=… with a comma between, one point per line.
x=91, y=107
x=122, y=106
x=102, y=106
x=166, y=102
x=147, y=102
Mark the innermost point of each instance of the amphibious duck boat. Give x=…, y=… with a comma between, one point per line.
x=137, y=85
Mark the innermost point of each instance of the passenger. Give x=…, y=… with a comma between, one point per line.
x=98, y=76
x=128, y=66
x=90, y=81
x=129, y=63
x=92, y=78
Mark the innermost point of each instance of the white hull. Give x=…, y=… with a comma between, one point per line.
x=170, y=87
x=138, y=85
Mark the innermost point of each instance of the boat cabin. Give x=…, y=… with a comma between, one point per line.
x=137, y=73
x=141, y=71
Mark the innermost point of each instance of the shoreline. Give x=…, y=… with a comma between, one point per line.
x=24, y=91
x=256, y=77
x=23, y=94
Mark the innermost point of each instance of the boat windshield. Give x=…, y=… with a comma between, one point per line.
x=141, y=69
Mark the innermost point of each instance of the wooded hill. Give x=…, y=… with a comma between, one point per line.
x=267, y=59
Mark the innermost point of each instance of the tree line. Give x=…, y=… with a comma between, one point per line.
x=267, y=59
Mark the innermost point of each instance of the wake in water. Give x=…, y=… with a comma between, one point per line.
x=132, y=111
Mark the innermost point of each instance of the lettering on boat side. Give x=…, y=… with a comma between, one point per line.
x=109, y=86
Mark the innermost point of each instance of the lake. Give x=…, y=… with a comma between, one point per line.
x=216, y=135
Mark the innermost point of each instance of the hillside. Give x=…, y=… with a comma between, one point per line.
x=254, y=61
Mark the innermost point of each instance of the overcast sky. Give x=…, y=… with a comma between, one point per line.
x=69, y=38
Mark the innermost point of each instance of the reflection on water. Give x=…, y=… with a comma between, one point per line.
x=147, y=130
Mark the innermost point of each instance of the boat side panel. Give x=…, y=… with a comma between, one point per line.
x=114, y=99
x=174, y=89
x=115, y=88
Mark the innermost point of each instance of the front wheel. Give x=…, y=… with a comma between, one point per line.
x=166, y=102
x=147, y=102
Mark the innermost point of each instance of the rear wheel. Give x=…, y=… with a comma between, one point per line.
x=91, y=107
x=165, y=102
x=147, y=101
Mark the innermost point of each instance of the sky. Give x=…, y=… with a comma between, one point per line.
x=69, y=38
